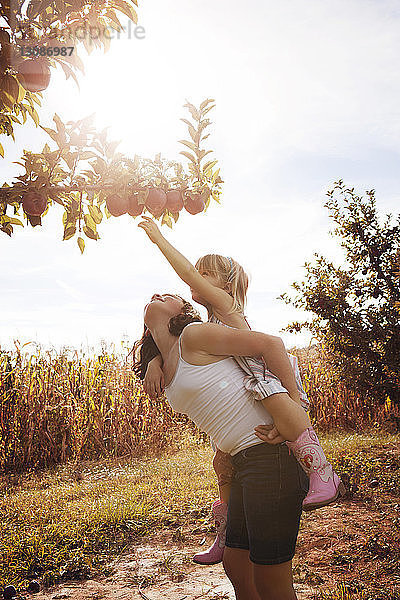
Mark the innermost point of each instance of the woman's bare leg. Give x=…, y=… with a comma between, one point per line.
x=274, y=582
x=239, y=569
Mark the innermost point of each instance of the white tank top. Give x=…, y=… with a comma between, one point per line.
x=215, y=398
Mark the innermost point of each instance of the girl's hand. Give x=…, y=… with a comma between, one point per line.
x=153, y=382
x=151, y=229
x=269, y=433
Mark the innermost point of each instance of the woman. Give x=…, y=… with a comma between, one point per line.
x=204, y=382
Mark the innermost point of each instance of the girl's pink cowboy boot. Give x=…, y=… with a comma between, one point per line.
x=214, y=554
x=325, y=485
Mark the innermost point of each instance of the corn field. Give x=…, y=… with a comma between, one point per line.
x=333, y=405
x=55, y=408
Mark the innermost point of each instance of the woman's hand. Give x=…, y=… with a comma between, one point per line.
x=151, y=229
x=269, y=433
x=153, y=382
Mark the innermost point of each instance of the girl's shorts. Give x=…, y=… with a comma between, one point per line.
x=265, y=503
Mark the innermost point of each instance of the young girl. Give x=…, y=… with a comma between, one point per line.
x=220, y=284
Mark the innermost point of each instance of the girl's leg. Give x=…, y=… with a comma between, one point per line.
x=223, y=467
x=294, y=425
x=274, y=582
x=239, y=569
x=289, y=417
x=224, y=491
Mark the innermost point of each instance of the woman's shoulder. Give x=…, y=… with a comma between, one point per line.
x=194, y=332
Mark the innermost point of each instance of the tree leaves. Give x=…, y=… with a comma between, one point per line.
x=83, y=191
x=96, y=214
x=81, y=244
x=127, y=9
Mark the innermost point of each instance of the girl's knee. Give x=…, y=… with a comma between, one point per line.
x=223, y=468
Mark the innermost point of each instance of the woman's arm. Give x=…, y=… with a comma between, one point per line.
x=220, y=300
x=218, y=340
x=153, y=382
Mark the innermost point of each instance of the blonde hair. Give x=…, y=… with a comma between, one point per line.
x=227, y=271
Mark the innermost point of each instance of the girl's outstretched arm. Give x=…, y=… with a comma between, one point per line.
x=220, y=300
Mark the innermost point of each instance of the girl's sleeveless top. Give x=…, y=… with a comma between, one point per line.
x=260, y=381
x=215, y=398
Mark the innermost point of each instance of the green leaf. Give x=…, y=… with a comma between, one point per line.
x=128, y=10
x=51, y=132
x=193, y=111
x=202, y=153
x=81, y=244
x=189, y=145
x=87, y=154
x=89, y=221
x=69, y=73
x=195, y=135
x=96, y=214
x=90, y=234
x=189, y=156
x=187, y=122
x=21, y=93
x=166, y=220
x=69, y=232
x=69, y=158
x=205, y=102
x=208, y=109
x=99, y=165
x=14, y=221
x=209, y=165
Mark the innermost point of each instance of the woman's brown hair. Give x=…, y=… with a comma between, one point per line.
x=145, y=349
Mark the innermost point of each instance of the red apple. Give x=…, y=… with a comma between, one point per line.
x=34, y=203
x=134, y=208
x=156, y=201
x=117, y=205
x=174, y=201
x=35, y=74
x=194, y=203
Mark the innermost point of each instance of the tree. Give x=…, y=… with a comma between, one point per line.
x=83, y=172
x=40, y=34
x=356, y=307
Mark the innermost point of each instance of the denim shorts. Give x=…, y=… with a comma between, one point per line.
x=265, y=503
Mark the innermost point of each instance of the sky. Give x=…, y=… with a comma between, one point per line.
x=306, y=93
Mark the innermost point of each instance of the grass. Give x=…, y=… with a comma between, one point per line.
x=54, y=527
x=65, y=523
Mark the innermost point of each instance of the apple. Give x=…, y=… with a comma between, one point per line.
x=34, y=203
x=117, y=205
x=35, y=74
x=174, y=201
x=134, y=208
x=156, y=201
x=194, y=203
